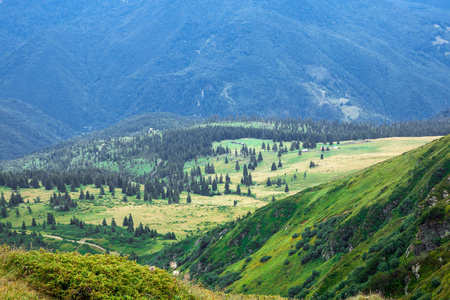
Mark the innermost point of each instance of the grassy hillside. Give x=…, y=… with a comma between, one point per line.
x=383, y=229
x=183, y=219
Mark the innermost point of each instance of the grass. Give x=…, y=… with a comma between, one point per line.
x=366, y=205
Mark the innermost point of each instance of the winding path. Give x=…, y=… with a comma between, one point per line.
x=82, y=241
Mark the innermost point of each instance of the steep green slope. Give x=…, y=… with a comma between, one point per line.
x=24, y=129
x=384, y=229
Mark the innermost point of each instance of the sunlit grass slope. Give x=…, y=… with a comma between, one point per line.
x=384, y=229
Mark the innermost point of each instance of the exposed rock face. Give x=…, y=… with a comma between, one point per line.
x=429, y=233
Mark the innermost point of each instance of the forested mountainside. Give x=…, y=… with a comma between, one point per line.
x=92, y=63
x=24, y=129
x=161, y=154
x=383, y=229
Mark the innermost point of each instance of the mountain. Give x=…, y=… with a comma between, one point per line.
x=24, y=129
x=383, y=229
x=93, y=63
x=144, y=123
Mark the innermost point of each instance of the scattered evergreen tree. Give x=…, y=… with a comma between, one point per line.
x=33, y=222
x=286, y=189
x=189, y=200
x=227, y=188
x=274, y=167
x=237, y=167
x=238, y=190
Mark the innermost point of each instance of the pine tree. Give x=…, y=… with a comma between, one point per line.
x=4, y=212
x=104, y=222
x=113, y=223
x=273, y=198
x=260, y=157
x=24, y=227
x=238, y=190
x=81, y=197
x=249, y=192
x=188, y=199
x=286, y=189
x=125, y=222
x=33, y=222
x=227, y=178
x=227, y=188
x=237, y=167
x=263, y=147
x=226, y=159
x=268, y=182
x=321, y=156
x=274, y=167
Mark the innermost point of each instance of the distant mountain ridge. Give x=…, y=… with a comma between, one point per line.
x=94, y=63
x=24, y=129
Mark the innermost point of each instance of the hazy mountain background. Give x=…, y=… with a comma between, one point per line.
x=90, y=64
x=24, y=129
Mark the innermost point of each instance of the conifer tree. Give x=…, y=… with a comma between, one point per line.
x=274, y=167
x=24, y=227
x=33, y=222
x=237, y=167
x=104, y=222
x=81, y=197
x=227, y=178
x=286, y=189
x=227, y=188
x=238, y=190
x=188, y=199
x=268, y=182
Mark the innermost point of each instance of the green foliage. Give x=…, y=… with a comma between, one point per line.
x=74, y=276
x=265, y=258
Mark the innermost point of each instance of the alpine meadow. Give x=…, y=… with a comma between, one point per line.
x=225, y=149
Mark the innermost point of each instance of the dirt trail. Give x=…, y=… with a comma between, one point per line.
x=82, y=241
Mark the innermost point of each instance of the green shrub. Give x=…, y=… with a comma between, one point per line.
x=265, y=258
x=435, y=282
x=75, y=276
x=294, y=290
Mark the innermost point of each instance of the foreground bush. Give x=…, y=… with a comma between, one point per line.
x=75, y=276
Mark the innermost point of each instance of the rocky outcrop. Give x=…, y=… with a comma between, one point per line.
x=429, y=235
